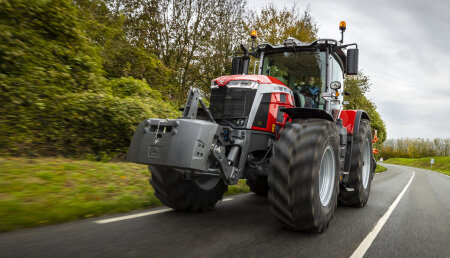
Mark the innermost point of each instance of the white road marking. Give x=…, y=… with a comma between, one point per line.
x=365, y=244
x=103, y=221
x=148, y=213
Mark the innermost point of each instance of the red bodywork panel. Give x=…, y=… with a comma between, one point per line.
x=274, y=112
x=262, y=79
x=348, y=119
x=275, y=101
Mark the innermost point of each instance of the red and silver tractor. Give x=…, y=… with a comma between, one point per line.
x=284, y=130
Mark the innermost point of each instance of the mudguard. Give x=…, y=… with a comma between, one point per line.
x=351, y=120
x=307, y=113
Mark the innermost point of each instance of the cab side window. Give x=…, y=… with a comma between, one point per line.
x=336, y=72
x=337, y=75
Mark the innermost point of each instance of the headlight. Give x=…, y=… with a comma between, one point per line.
x=243, y=84
x=335, y=85
x=214, y=84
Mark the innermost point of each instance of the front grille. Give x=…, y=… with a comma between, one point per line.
x=263, y=111
x=231, y=103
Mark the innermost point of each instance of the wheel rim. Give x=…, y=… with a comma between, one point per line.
x=206, y=182
x=366, y=164
x=327, y=176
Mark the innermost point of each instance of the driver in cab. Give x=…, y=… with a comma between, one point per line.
x=310, y=92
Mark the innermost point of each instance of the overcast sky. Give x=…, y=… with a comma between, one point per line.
x=404, y=49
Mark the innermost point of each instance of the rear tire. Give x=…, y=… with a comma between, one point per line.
x=361, y=169
x=304, y=175
x=185, y=195
x=256, y=182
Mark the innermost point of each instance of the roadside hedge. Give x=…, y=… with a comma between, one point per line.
x=83, y=123
x=55, y=98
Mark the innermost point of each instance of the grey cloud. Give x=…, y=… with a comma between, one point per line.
x=404, y=50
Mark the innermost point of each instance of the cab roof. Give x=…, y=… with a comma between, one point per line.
x=291, y=44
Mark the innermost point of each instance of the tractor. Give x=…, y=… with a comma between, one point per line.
x=283, y=129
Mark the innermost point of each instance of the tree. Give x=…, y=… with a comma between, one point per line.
x=194, y=38
x=275, y=25
x=415, y=148
x=121, y=57
x=357, y=86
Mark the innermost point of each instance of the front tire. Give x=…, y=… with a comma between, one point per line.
x=304, y=175
x=195, y=195
x=361, y=169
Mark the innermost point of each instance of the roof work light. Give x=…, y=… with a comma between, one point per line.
x=253, y=35
x=342, y=25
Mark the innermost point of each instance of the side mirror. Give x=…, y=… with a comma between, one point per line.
x=236, y=65
x=240, y=64
x=352, y=61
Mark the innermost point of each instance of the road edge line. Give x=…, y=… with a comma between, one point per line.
x=367, y=242
x=148, y=213
x=103, y=221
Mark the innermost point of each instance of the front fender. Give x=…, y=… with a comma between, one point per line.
x=307, y=113
x=351, y=119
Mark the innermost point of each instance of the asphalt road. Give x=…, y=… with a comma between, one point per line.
x=417, y=224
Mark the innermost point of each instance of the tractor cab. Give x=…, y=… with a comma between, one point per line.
x=313, y=71
x=304, y=72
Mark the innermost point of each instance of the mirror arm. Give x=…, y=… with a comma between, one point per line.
x=245, y=50
x=254, y=54
x=344, y=46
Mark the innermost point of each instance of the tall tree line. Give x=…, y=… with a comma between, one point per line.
x=415, y=148
x=194, y=39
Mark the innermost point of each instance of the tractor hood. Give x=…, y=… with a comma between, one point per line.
x=261, y=79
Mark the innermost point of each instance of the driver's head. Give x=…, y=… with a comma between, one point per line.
x=311, y=80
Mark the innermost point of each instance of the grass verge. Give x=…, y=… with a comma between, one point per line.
x=380, y=169
x=441, y=164
x=52, y=190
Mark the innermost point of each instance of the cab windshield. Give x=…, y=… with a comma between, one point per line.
x=303, y=72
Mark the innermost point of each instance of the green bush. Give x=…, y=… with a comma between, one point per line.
x=54, y=98
x=380, y=169
x=81, y=123
x=43, y=50
x=128, y=86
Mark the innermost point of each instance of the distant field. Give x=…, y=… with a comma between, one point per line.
x=52, y=190
x=380, y=169
x=441, y=164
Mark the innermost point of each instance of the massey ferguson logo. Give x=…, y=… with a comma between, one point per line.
x=221, y=81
